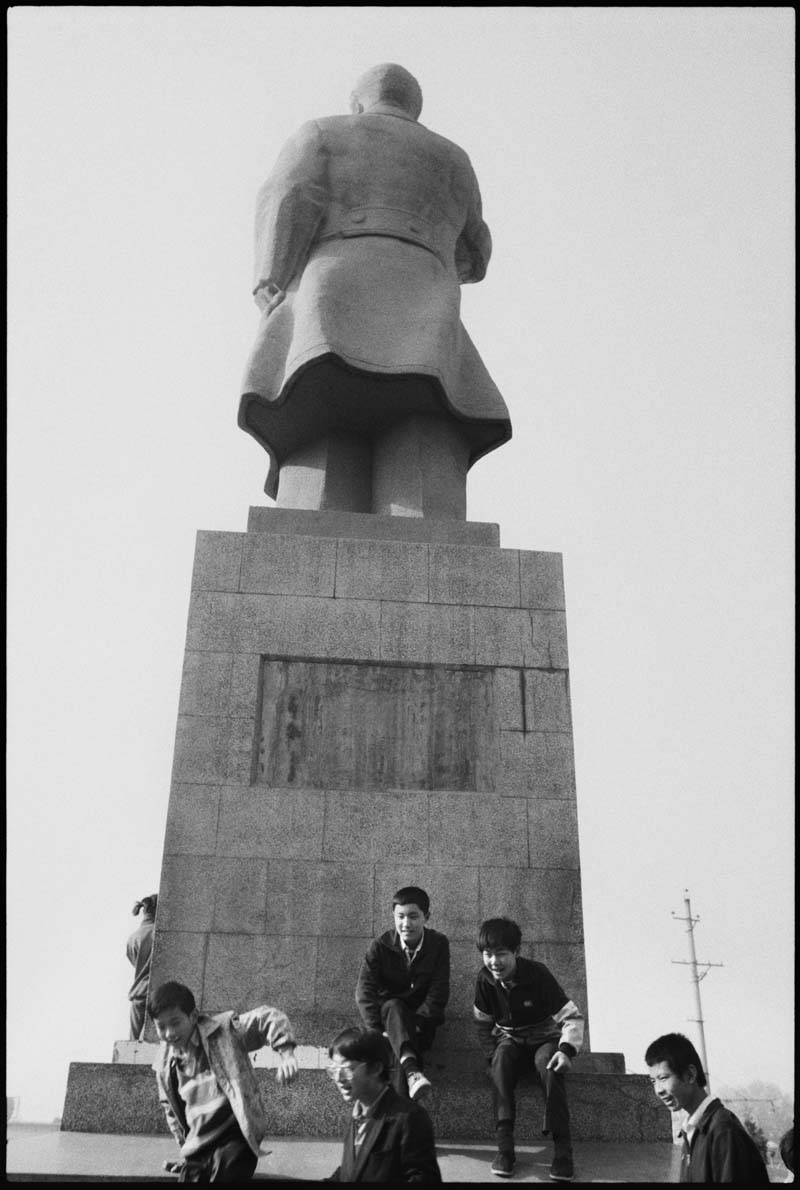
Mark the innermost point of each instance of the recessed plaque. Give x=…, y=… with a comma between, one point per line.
x=333, y=725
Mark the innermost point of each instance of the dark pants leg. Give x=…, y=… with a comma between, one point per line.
x=405, y=1032
x=504, y=1073
x=556, y=1112
x=232, y=1161
x=137, y=1018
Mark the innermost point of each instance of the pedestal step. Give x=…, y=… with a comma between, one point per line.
x=121, y=1098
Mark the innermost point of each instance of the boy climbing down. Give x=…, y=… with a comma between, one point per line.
x=404, y=985
x=207, y=1085
x=524, y=1017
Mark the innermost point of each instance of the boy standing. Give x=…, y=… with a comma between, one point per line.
x=523, y=1016
x=716, y=1146
x=207, y=1085
x=388, y=1138
x=404, y=985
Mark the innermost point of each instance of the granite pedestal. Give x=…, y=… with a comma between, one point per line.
x=367, y=702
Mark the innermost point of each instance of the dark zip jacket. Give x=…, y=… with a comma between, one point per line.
x=533, y=1008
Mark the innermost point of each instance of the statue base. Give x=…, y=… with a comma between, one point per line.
x=367, y=702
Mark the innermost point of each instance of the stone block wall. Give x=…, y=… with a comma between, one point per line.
x=366, y=702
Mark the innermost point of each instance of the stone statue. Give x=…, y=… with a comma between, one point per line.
x=363, y=385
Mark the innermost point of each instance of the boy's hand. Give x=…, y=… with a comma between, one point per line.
x=559, y=1061
x=288, y=1067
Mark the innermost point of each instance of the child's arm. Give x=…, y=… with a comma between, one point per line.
x=269, y=1026
x=368, y=988
x=483, y=1015
x=484, y=1024
x=570, y=1019
x=263, y=1026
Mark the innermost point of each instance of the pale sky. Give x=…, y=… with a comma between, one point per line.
x=637, y=173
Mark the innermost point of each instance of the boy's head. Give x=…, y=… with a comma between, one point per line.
x=412, y=908
x=174, y=1013
x=359, y=1063
x=676, y=1072
x=147, y=905
x=499, y=940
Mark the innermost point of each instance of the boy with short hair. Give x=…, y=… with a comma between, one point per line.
x=207, y=1085
x=388, y=1138
x=716, y=1145
x=404, y=985
x=524, y=1017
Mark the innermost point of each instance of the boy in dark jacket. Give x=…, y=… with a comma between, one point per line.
x=404, y=985
x=524, y=1017
x=716, y=1146
x=388, y=1138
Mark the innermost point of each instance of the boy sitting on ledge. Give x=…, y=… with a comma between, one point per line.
x=404, y=985
x=524, y=1018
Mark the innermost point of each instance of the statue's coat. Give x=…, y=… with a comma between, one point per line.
x=370, y=223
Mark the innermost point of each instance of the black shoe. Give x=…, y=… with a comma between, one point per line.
x=562, y=1169
x=503, y=1164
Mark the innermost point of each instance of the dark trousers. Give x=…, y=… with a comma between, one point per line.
x=405, y=1030
x=508, y=1060
x=137, y=1018
x=231, y=1161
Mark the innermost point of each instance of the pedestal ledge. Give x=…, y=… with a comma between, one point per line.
x=369, y=525
x=122, y=1098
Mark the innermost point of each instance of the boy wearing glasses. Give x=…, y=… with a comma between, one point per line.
x=404, y=985
x=388, y=1138
x=524, y=1018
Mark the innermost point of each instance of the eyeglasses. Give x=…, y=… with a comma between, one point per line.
x=344, y=1072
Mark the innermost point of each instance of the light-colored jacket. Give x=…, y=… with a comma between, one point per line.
x=227, y=1038
x=139, y=950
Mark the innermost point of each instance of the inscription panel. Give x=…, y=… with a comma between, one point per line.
x=338, y=725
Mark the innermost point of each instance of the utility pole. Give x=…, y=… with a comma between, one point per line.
x=696, y=977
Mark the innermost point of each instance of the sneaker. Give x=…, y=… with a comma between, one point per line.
x=419, y=1086
x=562, y=1169
x=503, y=1164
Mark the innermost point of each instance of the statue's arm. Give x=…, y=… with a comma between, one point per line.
x=290, y=207
x=474, y=245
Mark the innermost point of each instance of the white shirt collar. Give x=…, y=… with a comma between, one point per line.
x=694, y=1119
x=411, y=953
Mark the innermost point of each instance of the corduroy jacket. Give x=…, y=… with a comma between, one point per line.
x=227, y=1038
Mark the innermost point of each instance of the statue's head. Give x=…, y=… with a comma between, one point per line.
x=387, y=83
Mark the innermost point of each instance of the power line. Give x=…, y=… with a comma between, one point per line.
x=697, y=975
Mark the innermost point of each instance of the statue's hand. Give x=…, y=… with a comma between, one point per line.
x=268, y=296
